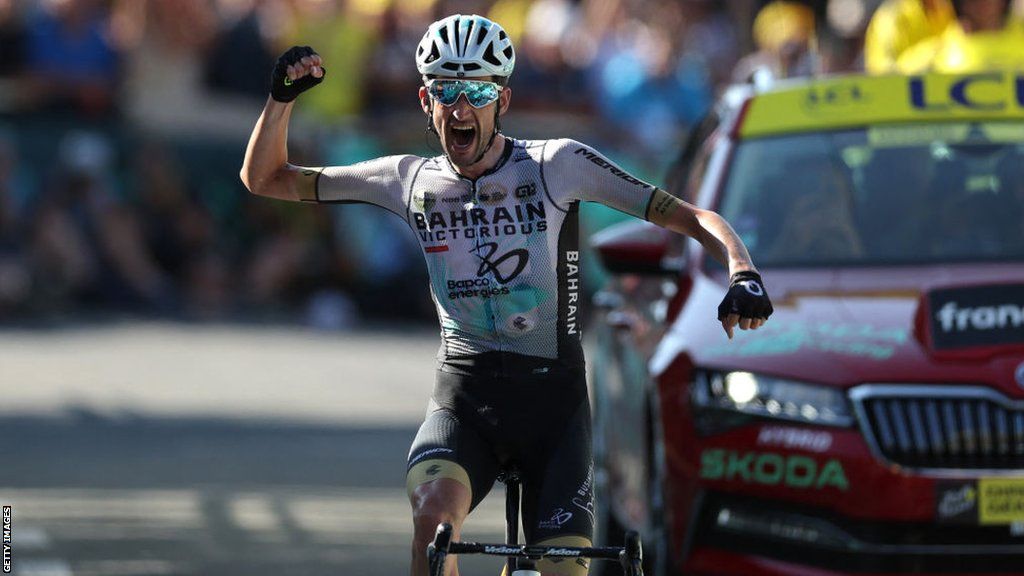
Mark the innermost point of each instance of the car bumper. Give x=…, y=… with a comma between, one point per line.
x=793, y=503
x=711, y=561
x=743, y=535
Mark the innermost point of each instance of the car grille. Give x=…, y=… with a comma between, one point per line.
x=955, y=427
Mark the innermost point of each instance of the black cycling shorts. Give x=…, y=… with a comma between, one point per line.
x=493, y=412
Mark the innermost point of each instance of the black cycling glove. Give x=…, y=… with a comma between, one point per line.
x=746, y=297
x=284, y=90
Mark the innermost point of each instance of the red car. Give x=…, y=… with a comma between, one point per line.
x=875, y=424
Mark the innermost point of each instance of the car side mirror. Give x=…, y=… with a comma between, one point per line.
x=637, y=247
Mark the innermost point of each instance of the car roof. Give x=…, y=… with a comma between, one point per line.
x=848, y=101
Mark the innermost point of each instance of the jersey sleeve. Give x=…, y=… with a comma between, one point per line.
x=574, y=171
x=382, y=182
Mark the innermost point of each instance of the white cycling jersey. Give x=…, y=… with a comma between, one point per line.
x=502, y=251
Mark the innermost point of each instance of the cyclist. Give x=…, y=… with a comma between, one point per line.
x=497, y=220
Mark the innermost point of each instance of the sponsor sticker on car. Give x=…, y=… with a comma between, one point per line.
x=989, y=501
x=976, y=316
x=772, y=469
x=1001, y=500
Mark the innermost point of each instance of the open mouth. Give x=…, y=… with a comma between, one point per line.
x=462, y=137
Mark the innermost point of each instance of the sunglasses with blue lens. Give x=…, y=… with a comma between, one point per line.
x=478, y=93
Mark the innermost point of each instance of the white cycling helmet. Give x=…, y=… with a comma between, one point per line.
x=465, y=46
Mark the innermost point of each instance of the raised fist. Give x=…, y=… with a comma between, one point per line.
x=297, y=70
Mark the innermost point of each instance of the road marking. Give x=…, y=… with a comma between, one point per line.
x=30, y=538
x=42, y=567
x=357, y=516
x=341, y=528
x=127, y=568
x=253, y=512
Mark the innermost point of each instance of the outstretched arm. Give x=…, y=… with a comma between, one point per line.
x=265, y=170
x=705, y=226
x=597, y=179
x=746, y=304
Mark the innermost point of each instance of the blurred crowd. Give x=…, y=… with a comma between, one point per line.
x=123, y=123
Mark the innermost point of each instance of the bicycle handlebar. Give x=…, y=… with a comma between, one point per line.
x=630, y=556
x=535, y=552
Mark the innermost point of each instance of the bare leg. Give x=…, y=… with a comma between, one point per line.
x=568, y=566
x=434, y=502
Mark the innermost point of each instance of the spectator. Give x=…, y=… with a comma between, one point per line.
x=983, y=36
x=819, y=223
x=899, y=24
x=645, y=89
x=975, y=218
x=15, y=275
x=246, y=41
x=708, y=34
x=540, y=62
x=394, y=75
x=13, y=40
x=179, y=233
x=71, y=62
x=842, y=42
x=88, y=246
x=895, y=225
x=784, y=34
x=346, y=38
x=284, y=266
x=1007, y=219
x=165, y=42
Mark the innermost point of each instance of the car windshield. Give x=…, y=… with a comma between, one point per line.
x=904, y=194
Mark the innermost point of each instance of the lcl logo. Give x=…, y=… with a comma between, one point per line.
x=966, y=93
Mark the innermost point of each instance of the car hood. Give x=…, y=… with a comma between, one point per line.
x=847, y=327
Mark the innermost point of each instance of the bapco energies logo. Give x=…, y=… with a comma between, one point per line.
x=559, y=516
x=494, y=266
x=503, y=269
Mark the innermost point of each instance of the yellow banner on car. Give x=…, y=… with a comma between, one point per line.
x=854, y=101
x=1000, y=500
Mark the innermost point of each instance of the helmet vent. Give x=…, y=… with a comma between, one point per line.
x=490, y=57
x=471, y=66
x=434, y=53
x=443, y=33
x=450, y=66
x=508, y=52
x=480, y=33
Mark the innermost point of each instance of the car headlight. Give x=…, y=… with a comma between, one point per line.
x=769, y=397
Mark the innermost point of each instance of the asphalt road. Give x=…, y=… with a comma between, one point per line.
x=169, y=450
